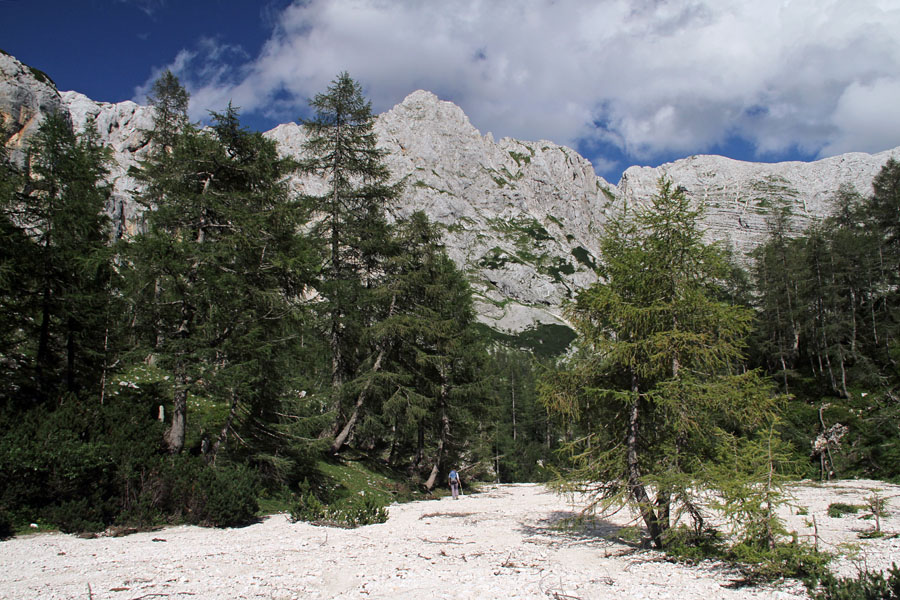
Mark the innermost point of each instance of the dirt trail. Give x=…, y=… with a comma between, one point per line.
x=498, y=544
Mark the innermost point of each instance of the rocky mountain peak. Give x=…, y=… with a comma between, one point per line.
x=522, y=218
x=26, y=95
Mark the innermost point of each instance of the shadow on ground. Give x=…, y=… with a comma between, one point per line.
x=564, y=526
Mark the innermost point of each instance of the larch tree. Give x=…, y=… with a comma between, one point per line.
x=342, y=149
x=64, y=273
x=218, y=277
x=656, y=390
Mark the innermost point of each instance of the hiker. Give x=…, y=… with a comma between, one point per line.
x=454, y=483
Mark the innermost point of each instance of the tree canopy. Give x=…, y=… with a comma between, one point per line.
x=656, y=385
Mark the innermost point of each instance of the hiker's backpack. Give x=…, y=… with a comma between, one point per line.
x=454, y=476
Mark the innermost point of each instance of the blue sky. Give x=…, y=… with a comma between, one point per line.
x=623, y=81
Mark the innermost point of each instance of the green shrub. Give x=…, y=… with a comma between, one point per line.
x=308, y=508
x=869, y=586
x=359, y=511
x=839, y=509
x=790, y=560
x=231, y=496
x=688, y=544
x=81, y=515
x=222, y=496
x=354, y=511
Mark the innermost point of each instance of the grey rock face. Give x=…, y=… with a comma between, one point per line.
x=523, y=219
x=519, y=217
x=737, y=196
x=123, y=128
x=26, y=95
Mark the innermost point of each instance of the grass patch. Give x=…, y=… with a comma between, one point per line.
x=497, y=258
x=608, y=193
x=520, y=158
x=557, y=269
x=422, y=185
x=556, y=221
x=522, y=230
x=363, y=477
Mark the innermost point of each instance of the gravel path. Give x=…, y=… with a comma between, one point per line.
x=498, y=544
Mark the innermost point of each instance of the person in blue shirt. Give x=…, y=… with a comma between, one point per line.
x=455, y=483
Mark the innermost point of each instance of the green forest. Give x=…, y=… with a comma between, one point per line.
x=253, y=349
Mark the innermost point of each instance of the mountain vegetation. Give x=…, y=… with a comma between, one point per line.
x=244, y=339
x=252, y=337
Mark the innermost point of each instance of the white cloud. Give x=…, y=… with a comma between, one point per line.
x=661, y=76
x=867, y=117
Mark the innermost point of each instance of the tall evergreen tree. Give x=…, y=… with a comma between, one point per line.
x=342, y=149
x=521, y=433
x=60, y=284
x=219, y=274
x=657, y=387
x=170, y=102
x=429, y=379
x=776, y=270
x=14, y=247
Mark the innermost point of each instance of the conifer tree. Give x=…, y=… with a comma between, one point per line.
x=218, y=275
x=777, y=273
x=170, y=102
x=430, y=378
x=59, y=287
x=341, y=148
x=15, y=248
x=522, y=436
x=656, y=387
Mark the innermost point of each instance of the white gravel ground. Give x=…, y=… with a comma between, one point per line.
x=498, y=544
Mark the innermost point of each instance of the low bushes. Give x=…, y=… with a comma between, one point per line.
x=84, y=467
x=869, y=586
x=353, y=511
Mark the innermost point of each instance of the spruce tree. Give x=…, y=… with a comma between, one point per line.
x=777, y=267
x=218, y=277
x=656, y=389
x=170, y=102
x=15, y=271
x=341, y=148
x=60, y=281
x=432, y=382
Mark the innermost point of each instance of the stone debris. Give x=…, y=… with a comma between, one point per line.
x=504, y=543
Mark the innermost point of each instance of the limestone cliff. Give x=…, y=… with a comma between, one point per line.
x=26, y=95
x=522, y=218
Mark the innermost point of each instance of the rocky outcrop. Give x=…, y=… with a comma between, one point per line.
x=26, y=95
x=738, y=196
x=519, y=217
x=522, y=218
x=123, y=128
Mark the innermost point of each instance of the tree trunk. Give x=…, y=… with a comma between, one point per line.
x=341, y=438
x=635, y=486
x=70, y=355
x=337, y=366
x=43, y=352
x=212, y=450
x=445, y=435
x=512, y=389
x=420, y=446
x=175, y=434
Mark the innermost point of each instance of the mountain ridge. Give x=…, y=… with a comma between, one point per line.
x=522, y=218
